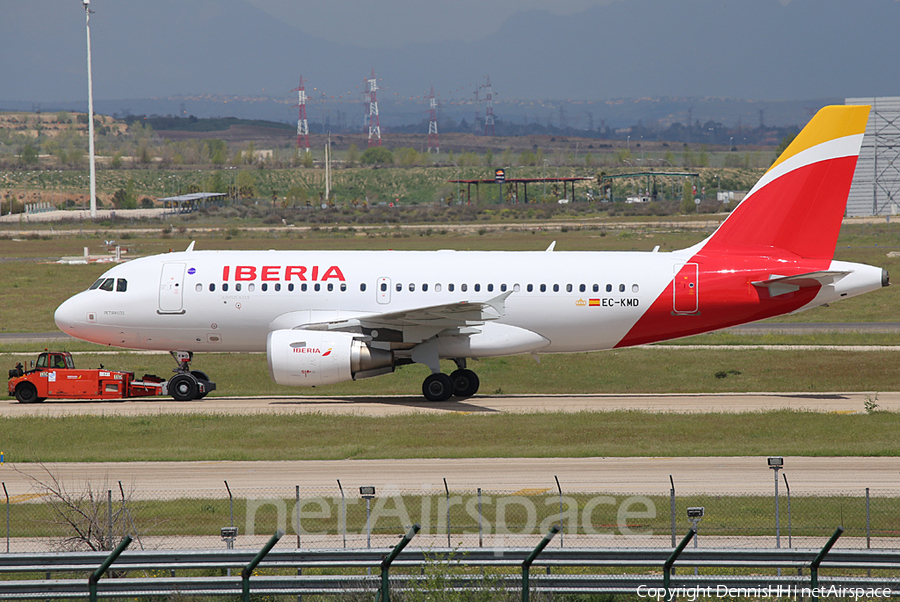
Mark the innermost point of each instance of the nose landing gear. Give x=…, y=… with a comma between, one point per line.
x=188, y=384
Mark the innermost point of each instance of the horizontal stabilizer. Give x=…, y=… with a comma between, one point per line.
x=780, y=285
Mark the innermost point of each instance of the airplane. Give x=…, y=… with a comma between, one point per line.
x=324, y=317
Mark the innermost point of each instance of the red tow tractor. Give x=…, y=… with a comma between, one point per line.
x=54, y=376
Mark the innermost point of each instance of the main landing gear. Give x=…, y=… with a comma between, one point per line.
x=188, y=384
x=461, y=383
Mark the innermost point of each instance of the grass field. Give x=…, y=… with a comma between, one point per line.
x=197, y=437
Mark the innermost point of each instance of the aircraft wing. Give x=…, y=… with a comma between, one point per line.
x=780, y=285
x=421, y=323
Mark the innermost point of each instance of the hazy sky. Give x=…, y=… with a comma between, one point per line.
x=391, y=23
x=772, y=50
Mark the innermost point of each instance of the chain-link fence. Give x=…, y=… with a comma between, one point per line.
x=48, y=517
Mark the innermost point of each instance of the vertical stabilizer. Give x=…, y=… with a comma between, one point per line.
x=799, y=203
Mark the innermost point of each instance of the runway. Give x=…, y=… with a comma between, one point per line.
x=387, y=405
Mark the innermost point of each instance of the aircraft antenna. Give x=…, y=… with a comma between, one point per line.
x=432, y=123
x=302, y=123
x=372, y=101
x=489, y=111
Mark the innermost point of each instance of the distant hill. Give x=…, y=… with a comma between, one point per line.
x=195, y=124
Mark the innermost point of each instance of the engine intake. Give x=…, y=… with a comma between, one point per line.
x=310, y=358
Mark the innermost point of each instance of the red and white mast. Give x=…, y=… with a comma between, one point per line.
x=302, y=123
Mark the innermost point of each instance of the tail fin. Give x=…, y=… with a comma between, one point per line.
x=799, y=203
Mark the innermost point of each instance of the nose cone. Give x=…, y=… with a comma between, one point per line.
x=67, y=315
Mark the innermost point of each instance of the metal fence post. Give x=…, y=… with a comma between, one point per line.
x=672, y=504
x=386, y=563
x=95, y=576
x=561, y=524
x=480, y=520
x=343, y=521
x=447, y=490
x=7, y=516
x=109, y=515
x=790, y=532
x=814, y=565
x=667, y=566
x=526, y=564
x=230, y=503
x=868, y=528
x=248, y=570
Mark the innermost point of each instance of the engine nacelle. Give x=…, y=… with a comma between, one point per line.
x=309, y=358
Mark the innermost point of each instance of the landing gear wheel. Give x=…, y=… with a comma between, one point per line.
x=465, y=383
x=437, y=387
x=201, y=376
x=27, y=393
x=183, y=387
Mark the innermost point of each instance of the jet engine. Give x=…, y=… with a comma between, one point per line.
x=309, y=358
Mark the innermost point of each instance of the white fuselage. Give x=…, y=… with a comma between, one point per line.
x=230, y=300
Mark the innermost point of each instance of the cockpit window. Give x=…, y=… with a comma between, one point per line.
x=121, y=285
x=96, y=284
x=107, y=284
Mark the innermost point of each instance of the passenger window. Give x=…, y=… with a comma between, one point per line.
x=516, y=287
x=634, y=288
x=502, y=288
x=343, y=286
x=490, y=288
x=596, y=288
x=477, y=288
x=530, y=288
x=463, y=287
x=437, y=287
x=399, y=287
x=303, y=287
x=318, y=287
x=122, y=285
x=224, y=287
x=450, y=287
x=412, y=287
x=212, y=287
x=330, y=286
x=555, y=288
x=425, y=288
x=362, y=287
x=264, y=287
x=107, y=284
x=383, y=287
x=582, y=288
x=199, y=288
x=277, y=286
x=237, y=286
x=608, y=288
x=621, y=288
x=543, y=288
x=251, y=287
x=291, y=287
x=96, y=284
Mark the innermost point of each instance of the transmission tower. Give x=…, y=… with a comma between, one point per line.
x=302, y=123
x=372, y=101
x=489, y=111
x=477, y=111
x=432, y=123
